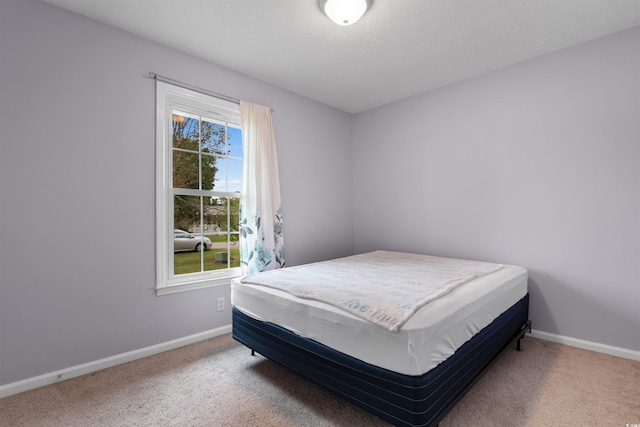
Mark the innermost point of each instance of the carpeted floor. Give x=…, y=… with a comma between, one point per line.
x=218, y=383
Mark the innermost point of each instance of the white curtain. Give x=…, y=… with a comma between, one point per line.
x=261, y=240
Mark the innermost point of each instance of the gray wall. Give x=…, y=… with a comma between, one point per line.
x=537, y=164
x=77, y=231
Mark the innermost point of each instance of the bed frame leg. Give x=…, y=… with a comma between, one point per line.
x=253, y=352
x=525, y=329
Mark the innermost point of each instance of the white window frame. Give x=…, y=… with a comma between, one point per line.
x=169, y=98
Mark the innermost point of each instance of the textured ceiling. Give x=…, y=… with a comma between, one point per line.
x=398, y=49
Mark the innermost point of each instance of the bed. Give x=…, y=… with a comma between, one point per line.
x=409, y=370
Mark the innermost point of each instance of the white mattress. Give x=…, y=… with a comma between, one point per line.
x=428, y=338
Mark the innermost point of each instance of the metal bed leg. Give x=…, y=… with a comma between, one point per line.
x=525, y=329
x=253, y=352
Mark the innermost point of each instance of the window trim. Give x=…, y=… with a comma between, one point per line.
x=168, y=98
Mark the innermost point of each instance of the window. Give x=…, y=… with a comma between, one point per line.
x=199, y=178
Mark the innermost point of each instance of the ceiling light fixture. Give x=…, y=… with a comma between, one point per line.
x=344, y=12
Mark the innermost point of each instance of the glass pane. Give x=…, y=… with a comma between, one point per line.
x=188, y=241
x=234, y=216
x=235, y=250
x=235, y=142
x=210, y=171
x=186, y=213
x=186, y=131
x=186, y=262
x=216, y=258
x=213, y=138
x=220, y=182
x=234, y=175
x=186, y=169
x=216, y=215
x=210, y=260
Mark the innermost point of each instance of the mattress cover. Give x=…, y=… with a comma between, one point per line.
x=428, y=338
x=383, y=287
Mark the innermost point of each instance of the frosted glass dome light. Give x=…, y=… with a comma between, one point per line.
x=345, y=12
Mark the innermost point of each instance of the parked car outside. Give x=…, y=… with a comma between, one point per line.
x=183, y=241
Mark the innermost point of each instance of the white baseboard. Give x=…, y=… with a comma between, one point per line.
x=86, y=368
x=76, y=371
x=588, y=345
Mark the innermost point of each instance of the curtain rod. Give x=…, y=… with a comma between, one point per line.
x=155, y=76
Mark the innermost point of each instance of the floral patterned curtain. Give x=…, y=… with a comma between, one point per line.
x=261, y=239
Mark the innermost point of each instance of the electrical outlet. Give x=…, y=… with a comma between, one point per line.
x=221, y=304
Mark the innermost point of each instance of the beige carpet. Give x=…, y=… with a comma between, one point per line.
x=218, y=383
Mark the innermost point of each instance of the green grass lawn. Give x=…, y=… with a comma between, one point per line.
x=222, y=238
x=189, y=262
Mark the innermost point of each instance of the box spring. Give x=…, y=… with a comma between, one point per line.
x=400, y=399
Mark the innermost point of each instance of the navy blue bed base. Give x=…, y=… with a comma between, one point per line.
x=403, y=400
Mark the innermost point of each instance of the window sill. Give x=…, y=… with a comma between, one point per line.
x=194, y=285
